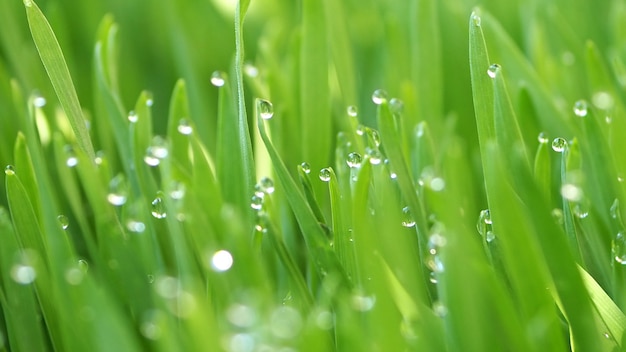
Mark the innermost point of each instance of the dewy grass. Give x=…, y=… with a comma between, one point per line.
x=364, y=176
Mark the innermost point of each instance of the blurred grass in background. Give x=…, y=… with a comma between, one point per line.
x=469, y=189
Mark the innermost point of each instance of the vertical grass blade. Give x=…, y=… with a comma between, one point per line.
x=52, y=59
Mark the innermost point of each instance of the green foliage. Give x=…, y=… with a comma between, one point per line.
x=324, y=189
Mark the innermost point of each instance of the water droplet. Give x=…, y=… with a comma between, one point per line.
x=606, y=335
x=374, y=136
x=580, y=211
x=374, y=155
x=557, y=215
x=602, y=100
x=433, y=277
x=324, y=320
x=580, y=108
x=149, y=99
x=132, y=116
x=241, y=315
x=217, y=78
x=23, y=274
x=266, y=185
x=256, y=202
x=571, y=192
x=221, y=261
x=184, y=127
x=285, y=322
x=83, y=265
x=360, y=130
x=379, y=96
x=150, y=328
x=266, y=109
x=420, y=129
x=619, y=248
x=542, y=138
x=158, y=208
x=437, y=184
x=407, y=217
x=608, y=120
x=354, y=160
x=71, y=160
x=9, y=170
x=306, y=167
x=156, y=152
x=490, y=236
x=476, y=19
x=28, y=3
x=64, y=223
x=38, y=100
x=396, y=105
x=99, y=159
x=493, y=70
x=440, y=309
x=118, y=190
x=614, y=210
x=325, y=174
x=559, y=144
x=250, y=70
x=352, y=111
x=135, y=226
x=362, y=302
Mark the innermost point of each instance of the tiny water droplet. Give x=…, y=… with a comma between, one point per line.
x=64, y=223
x=267, y=185
x=374, y=136
x=23, y=274
x=360, y=130
x=559, y=144
x=375, y=157
x=156, y=152
x=614, y=210
x=580, y=211
x=433, y=277
x=99, y=159
x=221, y=261
x=217, y=78
x=325, y=174
x=149, y=99
x=9, y=170
x=396, y=105
x=619, y=248
x=250, y=70
x=158, y=208
x=135, y=226
x=118, y=190
x=352, y=111
x=71, y=160
x=420, y=129
x=476, y=19
x=132, y=116
x=354, y=160
x=28, y=3
x=407, y=217
x=83, y=265
x=256, y=202
x=306, y=167
x=557, y=215
x=184, y=127
x=602, y=100
x=571, y=192
x=440, y=309
x=490, y=236
x=606, y=335
x=379, y=96
x=580, y=108
x=38, y=100
x=493, y=70
x=266, y=109
x=542, y=138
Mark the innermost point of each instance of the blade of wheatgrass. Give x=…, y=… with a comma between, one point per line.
x=179, y=126
x=340, y=230
x=54, y=63
x=543, y=168
x=24, y=163
x=341, y=51
x=324, y=260
x=25, y=331
x=481, y=86
x=427, y=69
x=314, y=97
x=305, y=181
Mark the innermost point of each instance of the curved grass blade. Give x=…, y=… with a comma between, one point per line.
x=179, y=127
x=52, y=59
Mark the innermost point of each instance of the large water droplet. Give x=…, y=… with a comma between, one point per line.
x=379, y=96
x=266, y=185
x=325, y=174
x=559, y=144
x=354, y=160
x=9, y=170
x=132, y=116
x=158, y=208
x=217, y=78
x=266, y=109
x=221, y=260
x=184, y=127
x=156, y=152
x=396, y=105
x=352, y=111
x=493, y=70
x=256, y=202
x=580, y=108
x=374, y=155
x=306, y=167
x=118, y=190
x=407, y=217
x=542, y=138
x=23, y=274
x=63, y=221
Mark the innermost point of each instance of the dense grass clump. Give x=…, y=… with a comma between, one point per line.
x=366, y=175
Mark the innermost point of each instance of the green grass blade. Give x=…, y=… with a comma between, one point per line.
x=481, y=85
x=52, y=58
